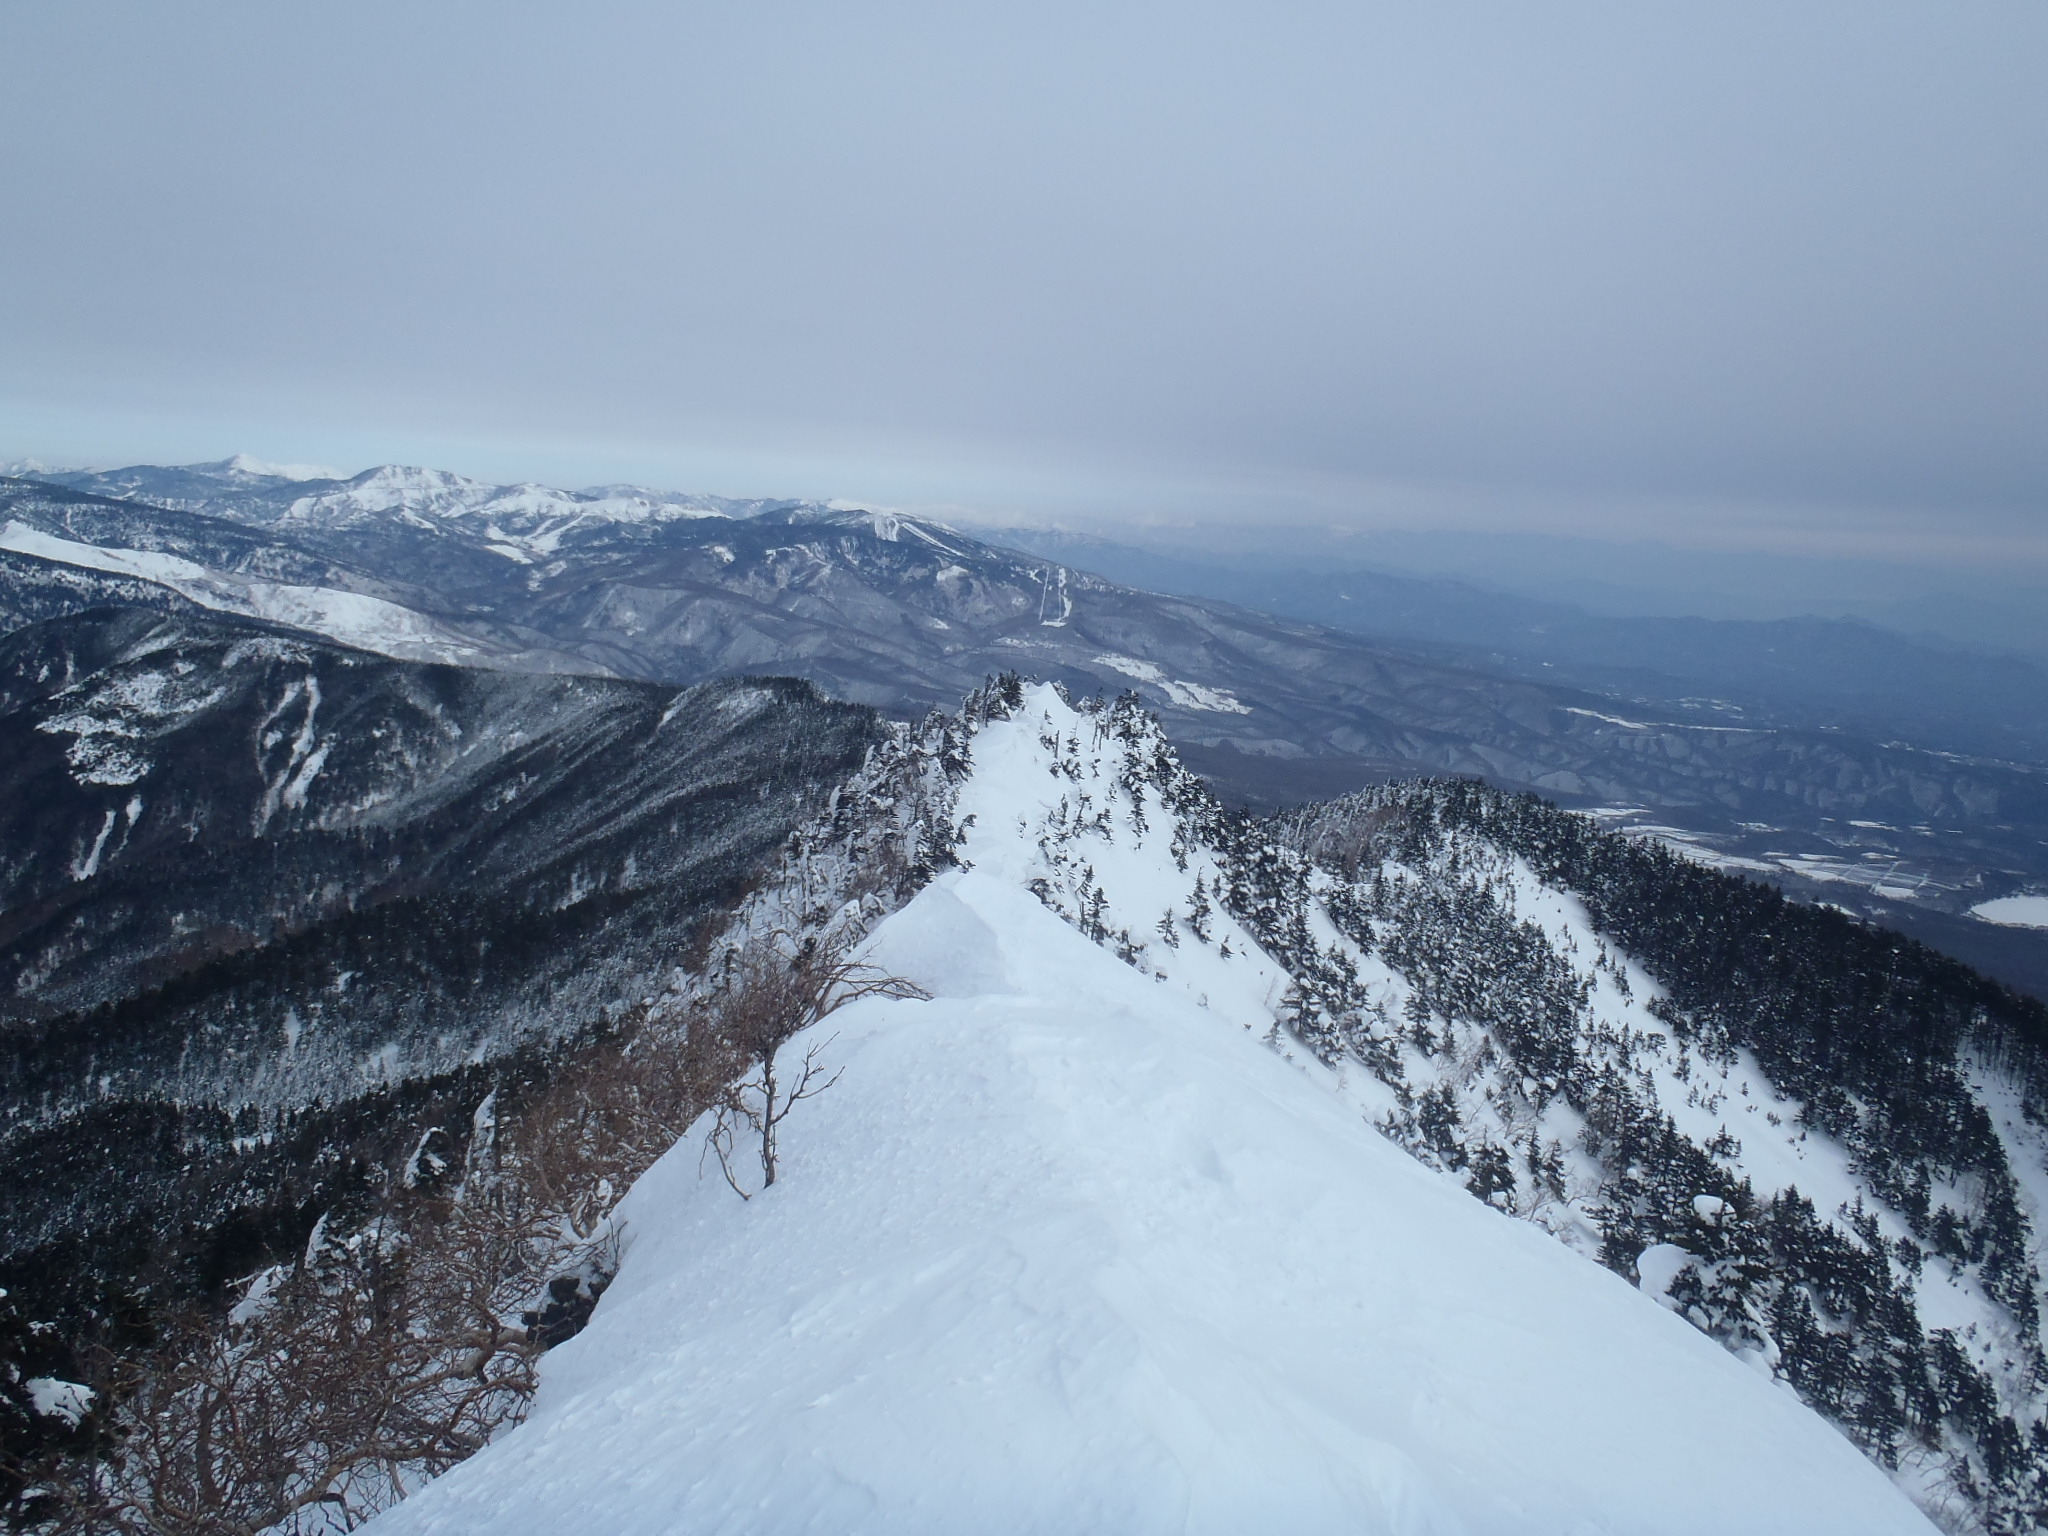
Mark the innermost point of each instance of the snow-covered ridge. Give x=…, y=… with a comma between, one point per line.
x=526, y=516
x=1104, y=1237
x=528, y=519
x=1484, y=1022
x=1492, y=1030
x=902, y=612
x=352, y=618
x=524, y=521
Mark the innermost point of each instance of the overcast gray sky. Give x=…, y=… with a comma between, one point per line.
x=1750, y=274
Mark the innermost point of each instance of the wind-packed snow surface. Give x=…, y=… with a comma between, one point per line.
x=1080, y=1245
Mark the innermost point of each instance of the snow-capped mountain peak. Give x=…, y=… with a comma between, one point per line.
x=243, y=466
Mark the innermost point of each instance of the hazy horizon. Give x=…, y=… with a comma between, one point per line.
x=1638, y=577
x=1741, y=281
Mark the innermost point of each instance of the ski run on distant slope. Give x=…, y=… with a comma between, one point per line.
x=1159, y=1214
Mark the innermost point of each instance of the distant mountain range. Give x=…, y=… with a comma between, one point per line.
x=1844, y=674
x=1999, y=610
x=1716, y=735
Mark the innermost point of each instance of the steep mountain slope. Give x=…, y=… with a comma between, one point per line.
x=1073, y=1245
x=1816, y=1142
x=55, y=542
x=247, y=874
x=1061, y=1252
x=906, y=615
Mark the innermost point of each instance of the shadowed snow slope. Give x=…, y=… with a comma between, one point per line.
x=1070, y=1248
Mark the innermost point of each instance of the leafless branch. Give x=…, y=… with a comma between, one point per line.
x=402, y=1341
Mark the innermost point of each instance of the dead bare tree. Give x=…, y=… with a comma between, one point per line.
x=372, y=1364
x=398, y=1343
x=771, y=989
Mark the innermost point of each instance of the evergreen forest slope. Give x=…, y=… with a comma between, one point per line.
x=268, y=901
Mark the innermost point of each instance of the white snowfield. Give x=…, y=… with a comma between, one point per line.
x=1219, y=701
x=2014, y=911
x=1071, y=1248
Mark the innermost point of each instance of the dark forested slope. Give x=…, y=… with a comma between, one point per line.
x=262, y=898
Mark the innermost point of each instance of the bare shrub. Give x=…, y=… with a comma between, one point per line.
x=371, y=1366
x=409, y=1330
x=772, y=989
x=398, y=1343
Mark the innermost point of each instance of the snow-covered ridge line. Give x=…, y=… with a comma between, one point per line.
x=1092, y=1239
x=1524, y=1051
x=1485, y=1022
x=525, y=522
x=352, y=618
x=533, y=515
